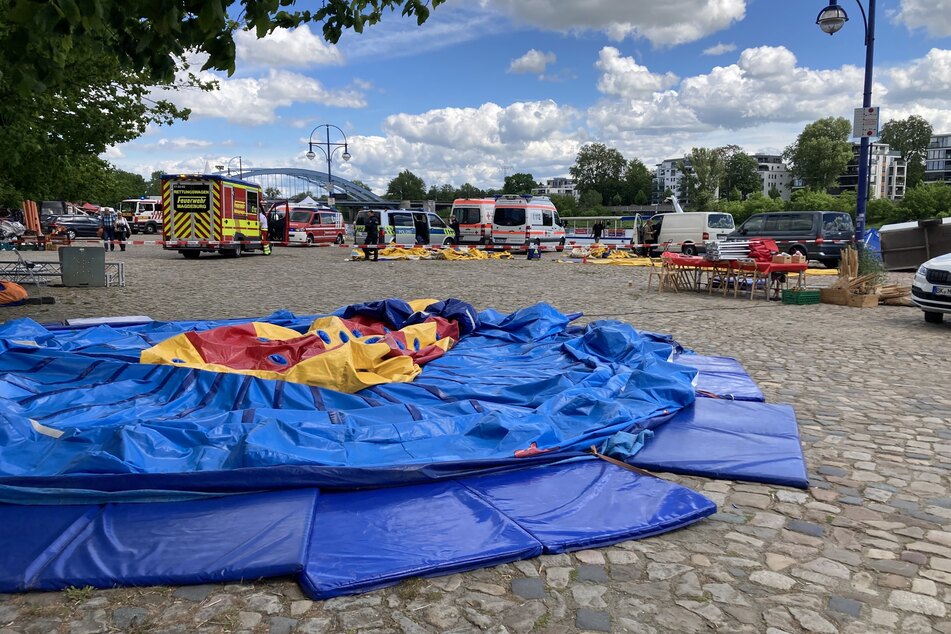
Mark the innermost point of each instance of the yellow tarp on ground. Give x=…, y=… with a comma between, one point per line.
x=465, y=253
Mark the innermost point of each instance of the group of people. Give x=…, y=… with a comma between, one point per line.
x=114, y=228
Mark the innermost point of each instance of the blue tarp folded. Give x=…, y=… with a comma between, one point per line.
x=207, y=541
x=722, y=377
x=734, y=440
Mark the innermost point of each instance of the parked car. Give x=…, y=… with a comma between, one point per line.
x=686, y=232
x=818, y=235
x=931, y=288
x=79, y=226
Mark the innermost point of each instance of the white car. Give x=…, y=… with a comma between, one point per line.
x=931, y=290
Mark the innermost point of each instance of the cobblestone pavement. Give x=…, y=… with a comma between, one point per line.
x=866, y=549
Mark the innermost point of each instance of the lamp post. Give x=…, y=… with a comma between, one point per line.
x=830, y=20
x=240, y=169
x=328, y=149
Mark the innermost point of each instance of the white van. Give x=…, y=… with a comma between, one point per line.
x=520, y=220
x=686, y=232
x=406, y=227
x=474, y=218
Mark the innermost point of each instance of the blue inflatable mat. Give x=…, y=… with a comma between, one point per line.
x=590, y=503
x=722, y=377
x=731, y=440
x=365, y=540
x=205, y=541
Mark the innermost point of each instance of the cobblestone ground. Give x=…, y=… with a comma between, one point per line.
x=866, y=549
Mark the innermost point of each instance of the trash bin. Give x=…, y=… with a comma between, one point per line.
x=83, y=266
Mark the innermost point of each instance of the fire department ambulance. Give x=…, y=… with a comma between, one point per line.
x=521, y=220
x=202, y=212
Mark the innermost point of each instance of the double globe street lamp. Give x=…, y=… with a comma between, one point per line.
x=830, y=20
x=328, y=149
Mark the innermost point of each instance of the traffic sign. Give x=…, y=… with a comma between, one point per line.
x=865, y=123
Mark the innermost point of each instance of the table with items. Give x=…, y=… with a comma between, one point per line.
x=685, y=272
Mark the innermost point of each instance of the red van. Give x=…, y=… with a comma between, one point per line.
x=315, y=226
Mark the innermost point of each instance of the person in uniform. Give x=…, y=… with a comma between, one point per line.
x=372, y=238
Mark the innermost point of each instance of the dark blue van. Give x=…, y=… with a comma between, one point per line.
x=818, y=235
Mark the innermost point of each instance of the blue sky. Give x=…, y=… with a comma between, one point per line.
x=490, y=87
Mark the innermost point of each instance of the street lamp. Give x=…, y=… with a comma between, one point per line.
x=328, y=149
x=830, y=20
x=240, y=170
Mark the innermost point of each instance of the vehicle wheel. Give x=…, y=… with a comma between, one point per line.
x=830, y=263
x=561, y=243
x=934, y=318
x=338, y=239
x=310, y=239
x=797, y=249
x=190, y=255
x=448, y=242
x=238, y=249
x=689, y=249
x=70, y=235
x=151, y=228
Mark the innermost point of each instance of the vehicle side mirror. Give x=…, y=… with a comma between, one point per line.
x=742, y=232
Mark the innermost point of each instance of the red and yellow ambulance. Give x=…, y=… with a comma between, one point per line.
x=212, y=212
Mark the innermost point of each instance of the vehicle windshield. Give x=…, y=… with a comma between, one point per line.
x=720, y=221
x=468, y=215
x=509, y=216
x=127, y=208
x=300, y=216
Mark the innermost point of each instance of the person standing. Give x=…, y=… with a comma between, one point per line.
x=123, y=231
x=107, y=227
x=371, y=241
x=598, y=230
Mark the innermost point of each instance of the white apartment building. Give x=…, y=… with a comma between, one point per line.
x=774, y=172
x=668, y=177
x=887, y=172
x=560, y=186
x=938, y=159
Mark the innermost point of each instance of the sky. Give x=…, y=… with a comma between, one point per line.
x=488, y=88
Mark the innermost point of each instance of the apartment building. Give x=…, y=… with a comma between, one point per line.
x=560, y=186
x=887, y=173
x=774, y=172
x=938, y=159
x=669, y=177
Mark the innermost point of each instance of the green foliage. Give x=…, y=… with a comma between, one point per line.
x=774, y=192
x=153, y=187
x=871, y=265
x=406, y=186
x=360, y=183
x=272, y=193
x=598, y=167
x=740, y=174
x=910, y=137
x=821, y=152
x=566, y=205
x=519, y=184
x=468, y=190
x=755, y=203
x=149, y=37
x=811, y=200
x=637, y=183
x=590, y=199
x=880, y=211
x=707, y=169
x=927, y=200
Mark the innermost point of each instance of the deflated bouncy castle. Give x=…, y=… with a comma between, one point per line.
x=388, y=440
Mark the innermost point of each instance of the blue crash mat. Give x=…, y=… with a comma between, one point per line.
x=732, y=440
x=364, y=540
x=722, y=377
x=590, y=503
x=205, y=541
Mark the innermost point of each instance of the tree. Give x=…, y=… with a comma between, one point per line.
x=360, y=183
x=910, y=137
x=591, y=201
x=406, y=186
x=599, y=168
x=519, y=184
x=272, y=193
x=881, y=211
x=927, y=200
x=468, y=190
x=810, y=200
x=153, y=187
x=821, y=152
x=566, y=204
x=637, y=183
x=150, y=37
x=740, y=172
x=703, y=181
x=774, y=192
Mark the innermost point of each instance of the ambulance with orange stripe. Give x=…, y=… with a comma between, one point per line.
x=474, y=216
x=211, y=212
x=520, y=220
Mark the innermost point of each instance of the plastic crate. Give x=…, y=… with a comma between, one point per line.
x=801, y=297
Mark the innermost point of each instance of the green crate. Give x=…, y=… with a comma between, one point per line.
x=801, y=297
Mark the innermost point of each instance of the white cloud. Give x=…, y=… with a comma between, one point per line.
x=719, y=49
x=285, y=48
x=664, y=24
x=934, y=16
x=623, y=77
x=179, y=143
x=924, y=79
x=532, y=62
x=254, y=101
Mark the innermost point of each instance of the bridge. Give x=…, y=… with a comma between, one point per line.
x=291, y=181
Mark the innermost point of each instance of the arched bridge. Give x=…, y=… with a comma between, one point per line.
x=288, y=179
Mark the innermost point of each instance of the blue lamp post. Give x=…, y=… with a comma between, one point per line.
x=328, y=149
x=830, y=20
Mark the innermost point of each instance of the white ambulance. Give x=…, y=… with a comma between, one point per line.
x=474, y=219
x=520, y=220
